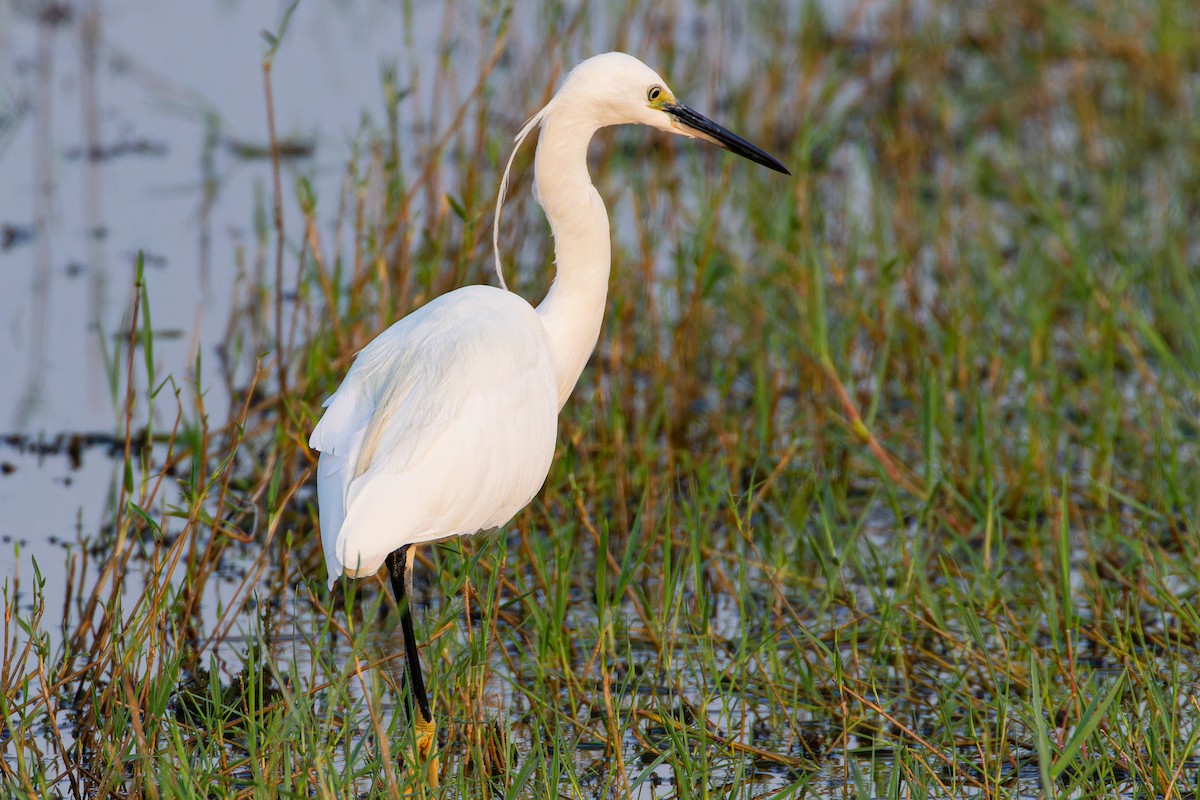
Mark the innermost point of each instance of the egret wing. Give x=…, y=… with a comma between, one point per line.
x=423, y=439
x=338, y=436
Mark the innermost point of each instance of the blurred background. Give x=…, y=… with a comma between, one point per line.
x=130, y=127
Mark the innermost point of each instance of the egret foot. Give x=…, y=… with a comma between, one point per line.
x=419, y=770
x=427, y=757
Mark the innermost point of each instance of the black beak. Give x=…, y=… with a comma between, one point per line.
x=704, y=128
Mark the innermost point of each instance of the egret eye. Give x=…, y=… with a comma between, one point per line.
x=654, y=93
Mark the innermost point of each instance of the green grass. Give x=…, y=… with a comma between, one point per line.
x=882, y=482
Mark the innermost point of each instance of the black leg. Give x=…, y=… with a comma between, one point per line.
x=397, y=564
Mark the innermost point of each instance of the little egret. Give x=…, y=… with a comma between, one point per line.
x=446, y=422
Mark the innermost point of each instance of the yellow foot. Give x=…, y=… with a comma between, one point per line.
x=427, y=749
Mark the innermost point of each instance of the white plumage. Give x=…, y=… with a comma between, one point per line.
x=433, y=435
x=445, y=424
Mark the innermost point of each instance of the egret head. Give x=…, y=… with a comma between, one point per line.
x=617, y=89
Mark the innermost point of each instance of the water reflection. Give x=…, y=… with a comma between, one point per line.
x=127, y=127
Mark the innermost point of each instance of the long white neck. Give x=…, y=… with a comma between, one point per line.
x=574, y=307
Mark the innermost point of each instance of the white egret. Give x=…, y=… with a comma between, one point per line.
x=446, y=423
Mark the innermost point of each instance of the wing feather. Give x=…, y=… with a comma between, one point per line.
x=444, y=425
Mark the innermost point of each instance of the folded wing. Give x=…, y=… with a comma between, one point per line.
x=445, y=425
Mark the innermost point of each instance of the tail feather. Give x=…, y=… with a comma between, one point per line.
x=333, y=473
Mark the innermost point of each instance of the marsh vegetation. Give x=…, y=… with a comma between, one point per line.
x=880, y=484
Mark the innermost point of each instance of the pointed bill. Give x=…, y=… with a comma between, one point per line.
x=693, y=123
